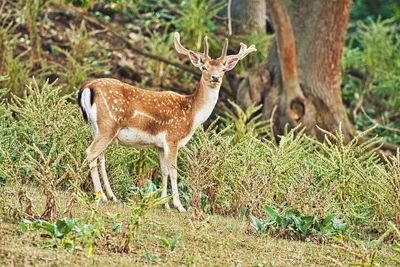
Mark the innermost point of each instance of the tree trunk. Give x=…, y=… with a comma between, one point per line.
x=309, y=94
x=248, y=15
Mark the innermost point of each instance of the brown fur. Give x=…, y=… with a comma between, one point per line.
x=117, y=103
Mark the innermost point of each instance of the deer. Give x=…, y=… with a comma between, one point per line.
x=134, y=117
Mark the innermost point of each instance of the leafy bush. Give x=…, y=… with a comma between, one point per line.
x=196, y=21
x=371, y=55
x=293, y=224
x=83, y=59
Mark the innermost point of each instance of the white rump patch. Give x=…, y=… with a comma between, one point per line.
x=91, y=111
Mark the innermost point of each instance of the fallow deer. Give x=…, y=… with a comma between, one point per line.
x=135, y=117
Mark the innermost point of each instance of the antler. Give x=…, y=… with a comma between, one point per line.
x=225, y=49
x=178, y=46
x=182, y=50
x=243, y=52
x=205, y=46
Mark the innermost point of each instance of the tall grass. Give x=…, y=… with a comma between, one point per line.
x=222, y=171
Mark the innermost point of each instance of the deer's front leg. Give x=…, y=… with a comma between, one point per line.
x=164, y=173
x=94, y=173
x=104, y=175
x=173, y=174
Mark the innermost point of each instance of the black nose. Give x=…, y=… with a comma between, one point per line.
x=215, y=78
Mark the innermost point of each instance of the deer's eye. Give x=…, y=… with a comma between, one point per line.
x=203, y=68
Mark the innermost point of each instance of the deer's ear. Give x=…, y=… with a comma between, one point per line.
x=195, y=59
x=231, y=63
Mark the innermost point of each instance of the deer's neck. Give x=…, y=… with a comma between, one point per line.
x=204, y=101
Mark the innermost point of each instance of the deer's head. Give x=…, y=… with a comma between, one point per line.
x=213, y=70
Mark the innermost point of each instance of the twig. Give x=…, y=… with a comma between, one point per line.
x=229, y=17
x=366, y=81
x=357, y=74
x=358, y=106
x=271, y=119
x=377, y=124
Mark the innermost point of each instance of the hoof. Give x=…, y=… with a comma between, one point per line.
x=100, y=197
x=180, y=208
x=114, y=198
x=166, y=206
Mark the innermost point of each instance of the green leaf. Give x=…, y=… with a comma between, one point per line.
x=299, y=224
x=272, y=214
x=164, y=241
x=328, y=221
x=63, y=227
x=23, y=227
x=174, y=242
x=44, y=225
x=117, y=227
x=339, y=225
x=258, y=224
x=308, y=223
x=69, y=244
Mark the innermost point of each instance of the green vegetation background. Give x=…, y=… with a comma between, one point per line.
x=234, y=167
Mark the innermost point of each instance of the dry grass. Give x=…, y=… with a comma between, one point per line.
x=215, y=241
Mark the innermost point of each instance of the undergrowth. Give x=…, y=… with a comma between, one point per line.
x=223, y=171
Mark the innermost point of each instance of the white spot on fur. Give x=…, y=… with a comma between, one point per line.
x=139, y=113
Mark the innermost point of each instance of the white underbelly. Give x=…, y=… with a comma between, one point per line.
x=136, y=138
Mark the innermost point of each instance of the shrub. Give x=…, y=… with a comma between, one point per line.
x=47, y=121
x=226, y=174
x=371, y=55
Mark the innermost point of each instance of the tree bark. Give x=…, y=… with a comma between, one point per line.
x=248, y=15
x=309, y=94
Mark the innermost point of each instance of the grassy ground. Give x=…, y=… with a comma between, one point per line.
x=214, y=241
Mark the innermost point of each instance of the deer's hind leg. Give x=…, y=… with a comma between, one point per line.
x=100, y=142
